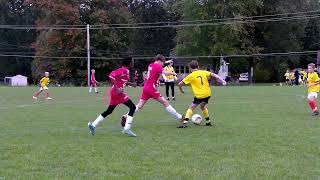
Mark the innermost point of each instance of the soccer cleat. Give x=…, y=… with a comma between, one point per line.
x=129, y=132
x=316, y=113
x=209, y=124
x=35, y=98
x=173, y=98
x=123, y=120
x=48, y=98
x=168, y=98
x=92, y=128
x=184, y=125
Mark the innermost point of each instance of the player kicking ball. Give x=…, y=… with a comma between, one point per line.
x=150, y=88
x=313, y=88
x=118, y=78
x=199, y=82
x=44, y=82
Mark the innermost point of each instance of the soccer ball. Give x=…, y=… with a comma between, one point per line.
x=196, y=119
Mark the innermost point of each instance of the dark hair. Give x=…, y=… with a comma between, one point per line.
x=127, y=61
x=194, y=64
x=160, y=57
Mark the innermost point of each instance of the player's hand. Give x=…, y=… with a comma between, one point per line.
x=119, y=90
x=224, y=83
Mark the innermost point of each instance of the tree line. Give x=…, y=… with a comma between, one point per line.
x=225, y=35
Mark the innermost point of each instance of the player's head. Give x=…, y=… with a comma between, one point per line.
x=160, y=59
x=46, y=74
x=194, y=65
x=127, y=62
x=311, y=67
x=93, y=71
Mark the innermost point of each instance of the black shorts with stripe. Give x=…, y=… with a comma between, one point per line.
x=199, y=101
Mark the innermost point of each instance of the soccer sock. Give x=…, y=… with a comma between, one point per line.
x=47, y=94
x=313, y=105
x=95, y=89
x=90, y=89
x=173, y=112
x=37, y=94
x=128, y=123
x=206, y=114
x=99, y=119
x=189, y=114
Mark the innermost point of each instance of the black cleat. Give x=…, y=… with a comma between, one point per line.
x=316, y=113
x=209, y=124
x=182, y=126
x=173, y=99
x=168, y=99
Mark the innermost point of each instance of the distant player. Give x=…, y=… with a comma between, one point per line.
x=93, y=82
x=287, y=76
x=44, y=82
x=169, y=80
x=313, y=88
x=118, y=78
x=150, y=88
x=199, y=82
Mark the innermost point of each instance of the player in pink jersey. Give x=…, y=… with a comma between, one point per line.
x=93, y=82
x=150, y=88
x=118, y=78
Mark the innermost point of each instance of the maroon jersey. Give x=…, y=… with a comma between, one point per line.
x=154, y=72
x=120, y=76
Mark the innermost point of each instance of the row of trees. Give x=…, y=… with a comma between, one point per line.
x=225, y=39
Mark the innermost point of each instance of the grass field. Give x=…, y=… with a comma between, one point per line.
x=260, y=133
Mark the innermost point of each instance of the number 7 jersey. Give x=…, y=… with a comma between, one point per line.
x=199, y=81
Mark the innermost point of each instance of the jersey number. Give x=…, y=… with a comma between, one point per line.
x=200, y=78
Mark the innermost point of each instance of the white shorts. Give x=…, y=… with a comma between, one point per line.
x=313, y=95
x=44, y=88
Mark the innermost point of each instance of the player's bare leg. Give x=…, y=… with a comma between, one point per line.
x=169, y=108
x=37, y=94
x=205, y=112
x=47, y=95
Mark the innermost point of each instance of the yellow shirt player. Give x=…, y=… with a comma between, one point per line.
x=199, y=82
x=169, y=80
x=313, y=88
x=44, y=82
x=286, y=75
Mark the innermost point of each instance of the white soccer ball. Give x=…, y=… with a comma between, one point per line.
x=196, y=119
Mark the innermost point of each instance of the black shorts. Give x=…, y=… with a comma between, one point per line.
x=199, y=101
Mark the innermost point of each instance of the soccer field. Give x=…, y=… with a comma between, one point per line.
x=260, y=133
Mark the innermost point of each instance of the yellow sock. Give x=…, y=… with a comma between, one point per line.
x=205, y=114
x=189, y=113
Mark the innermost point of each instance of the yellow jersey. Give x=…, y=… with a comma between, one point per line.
x=291, y=76
x=287, y=75
x=169, y=69
x=199, y=81
x=313, y=78
x=44, y=81
x=304, y=75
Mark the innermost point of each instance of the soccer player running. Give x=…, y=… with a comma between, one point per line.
x=93, y=82
x=44, y=82
x=118, y=78
x=313, y=88
x=199, y=81
x=150, y=88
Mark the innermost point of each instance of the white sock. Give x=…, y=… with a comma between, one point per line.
x=98, y=120
x=128, y=123
x=173, y=112
x=95, y=89
x=90, y=89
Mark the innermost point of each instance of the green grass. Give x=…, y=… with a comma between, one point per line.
x=260, y=133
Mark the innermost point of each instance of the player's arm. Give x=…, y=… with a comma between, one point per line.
x=168, y=73
x=222, y=81
x=112, y=78
x=181, y=84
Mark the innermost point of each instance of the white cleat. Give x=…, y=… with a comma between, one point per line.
x=35, y=98
x=129, y=133
x=48, y=98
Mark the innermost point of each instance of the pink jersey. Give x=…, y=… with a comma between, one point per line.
x=93, y=79
x=120, y=76
x=154, y=72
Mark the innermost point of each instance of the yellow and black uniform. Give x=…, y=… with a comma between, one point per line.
x=199, y=82
x=312, y=79
x=287, y=76
x=169, y=81
x=44, y=82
